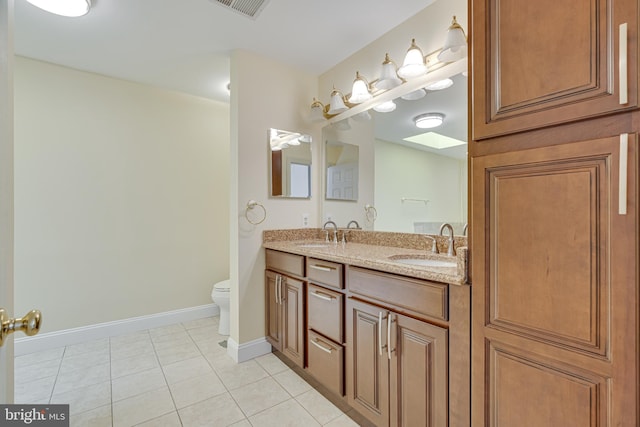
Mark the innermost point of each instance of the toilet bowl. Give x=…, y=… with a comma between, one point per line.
x=220, y=296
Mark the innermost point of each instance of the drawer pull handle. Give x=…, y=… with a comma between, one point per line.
x=321, y=267
x=622, y=64
x=622, y=178
x=277, y=290
x=389, y=322
x=380, y=346
x=322, y=296
x=321, y=347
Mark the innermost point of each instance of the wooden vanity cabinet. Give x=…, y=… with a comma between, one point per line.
x=397, y=368
x=284, y=296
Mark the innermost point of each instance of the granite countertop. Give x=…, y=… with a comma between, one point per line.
x=379, y=257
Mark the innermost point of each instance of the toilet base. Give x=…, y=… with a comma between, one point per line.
x=223, y=327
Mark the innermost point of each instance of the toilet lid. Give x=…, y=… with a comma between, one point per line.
x=222, y=286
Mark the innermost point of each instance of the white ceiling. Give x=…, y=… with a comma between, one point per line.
x=185, y=45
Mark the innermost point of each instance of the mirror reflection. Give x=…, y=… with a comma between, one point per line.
x=289, y=164
x=341, y=171
x=419, y=174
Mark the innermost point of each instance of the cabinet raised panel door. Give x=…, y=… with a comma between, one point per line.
x=546, y=62
x=273, y=318
x=293, y=320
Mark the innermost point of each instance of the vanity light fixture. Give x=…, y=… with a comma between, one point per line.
x=428, y=120
x=416, y=94
x=362, y=117
x=388, y=75
x=337, y=104
x=455, y=45
x=414, y=64
x=317, y=111
x=385, y=107
x=360, y=90
x=440, y=85
x=69, y=8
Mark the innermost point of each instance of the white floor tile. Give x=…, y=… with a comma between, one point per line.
x=133, y=365
x=271, y=364
x=292, y=382
x=136, y=348
x=319, y=406
x=99, y=417
x=30, y=371
x=287, y=414
x=342, y=421
x=169, y=420
x=82, y=399
x=186, y=369
x=101, y=345
x=142, y=407
x=256, y=397
x=177, y=339
x=83, y=360
x=166, y=330
x=209, y=322
x=217, y=411
x=81, y=378
x=37, y=391
x=242, y=374
x=196, y=389
x=169, y=355
x=40, y=356
x=141, y=382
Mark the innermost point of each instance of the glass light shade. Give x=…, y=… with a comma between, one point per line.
x=385, y=107
x=70, y=8
x=416, y=94
x=440, y=84
x=388, y=75
x=455, y=45
x=362, y=117
x=360, y=90
x=317, y=110
x=429, y=120
x=413, y=65
x=337, y=105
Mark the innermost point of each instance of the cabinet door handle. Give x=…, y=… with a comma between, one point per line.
x=321, y=347
x=277, y=287
x=380, y=346
x=622, y=64
x=323, y=296
x=321, y=267
x=283, y=282
x=622, y=176
x=389, y=322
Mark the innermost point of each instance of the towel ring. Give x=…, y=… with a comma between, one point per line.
x=252, y=204
x=370, y=213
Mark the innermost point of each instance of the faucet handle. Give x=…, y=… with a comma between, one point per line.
x=434, y=245
x=326, y=236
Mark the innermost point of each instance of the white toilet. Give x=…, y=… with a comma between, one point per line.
x=220, y=296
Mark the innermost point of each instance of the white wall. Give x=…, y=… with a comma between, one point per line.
x=121, y=198
x=406, y=172
x=265, y=94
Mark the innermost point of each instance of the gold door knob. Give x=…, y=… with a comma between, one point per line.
x=29, y=324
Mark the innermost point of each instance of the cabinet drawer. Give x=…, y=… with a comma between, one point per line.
x=325, y=272
x=284, y=262
x=326, y=362
x=324, y=311
x=418, y=296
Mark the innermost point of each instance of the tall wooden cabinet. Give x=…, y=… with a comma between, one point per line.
x=554, y=214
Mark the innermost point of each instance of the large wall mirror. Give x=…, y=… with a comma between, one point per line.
x=289, y=164
x=419, y=176
x=341, y=171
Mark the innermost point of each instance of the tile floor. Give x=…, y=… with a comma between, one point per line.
x=177, y=375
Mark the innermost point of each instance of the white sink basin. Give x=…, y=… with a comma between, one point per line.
x=425, y=262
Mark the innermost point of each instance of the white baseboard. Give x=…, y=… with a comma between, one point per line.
x=248, y=350
x=46, y=341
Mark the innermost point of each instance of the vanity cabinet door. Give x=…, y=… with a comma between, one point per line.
x=284, y=315
x=546, y=62
x=555, y=285
x=367, y=361
x=273, y=317
x=418, y=373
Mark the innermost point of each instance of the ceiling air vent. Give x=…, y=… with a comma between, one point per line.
x=248, y=8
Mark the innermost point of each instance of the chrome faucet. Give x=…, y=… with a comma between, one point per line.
x=335, y=231
x=450, y=251
x=354, y=222
x=464, y=229
x=434, y=244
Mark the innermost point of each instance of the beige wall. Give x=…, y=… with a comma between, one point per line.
x=121, y=197
x=265, y=94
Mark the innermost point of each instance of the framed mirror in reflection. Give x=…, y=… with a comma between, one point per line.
x=341, y=171
x=289, y=164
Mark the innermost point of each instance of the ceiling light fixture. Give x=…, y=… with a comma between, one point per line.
x=455, y=46
x=428, y=120
x=385, y=107
x=70, y=8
